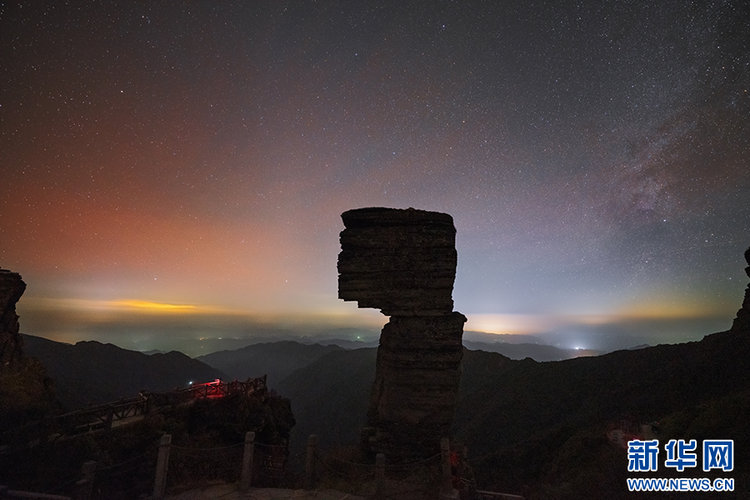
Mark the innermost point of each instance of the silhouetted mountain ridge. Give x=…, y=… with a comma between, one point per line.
x=521, y=419
x=331, y=396
x=537, y=352
x=540, y=407
x=526, y=423
x=275, y=359
x=90, y=372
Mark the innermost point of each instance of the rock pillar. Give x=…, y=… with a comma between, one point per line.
x=11, y=343
x=403, y=262
x=25, y=391
x=742, y=321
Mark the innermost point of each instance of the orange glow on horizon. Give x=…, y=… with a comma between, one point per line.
x=520, y=324
x=506, y=323
x=154, y=306
x=654, y=306
x=106, y=306
x=95, y=310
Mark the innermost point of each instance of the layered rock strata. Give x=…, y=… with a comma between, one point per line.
x=742, y=321
x=403, y=262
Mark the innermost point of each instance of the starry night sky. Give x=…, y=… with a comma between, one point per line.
x=192, y=158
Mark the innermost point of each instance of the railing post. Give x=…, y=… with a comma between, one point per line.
x=110, y=418
x=148, y=403
x=310, y=462
x=247, y=461
x=162, y=462
x=446, y=486
x=379, y=476
x=85, y=485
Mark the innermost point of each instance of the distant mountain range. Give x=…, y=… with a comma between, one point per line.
x=537, y=352
x=540, y=429
x=329, y=397
x=280, y=359
x=533, y=428
x=91, y=372
x=277, y=360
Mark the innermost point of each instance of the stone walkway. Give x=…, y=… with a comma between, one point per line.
x=231, y=492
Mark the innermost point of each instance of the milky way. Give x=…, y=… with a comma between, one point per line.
x=594, y=157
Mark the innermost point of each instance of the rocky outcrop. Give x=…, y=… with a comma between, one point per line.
x=11, y=344
x=403, y=262
x=742, y=321
x=25, y=390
